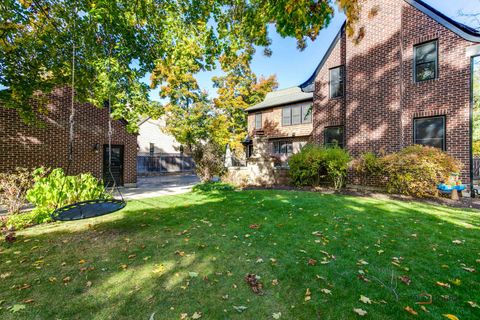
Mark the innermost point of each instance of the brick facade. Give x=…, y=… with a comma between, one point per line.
x=29, y=146
x=381, y=98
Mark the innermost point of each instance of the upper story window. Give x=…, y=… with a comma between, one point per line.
x=334, y=137
x=426, y=61
x=430, y=132
x=258, y=121
x=337, y=82
x=296, y=115
x=152, y=149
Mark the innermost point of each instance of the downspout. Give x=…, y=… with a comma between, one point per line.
x=402, y=138
x=472, y=69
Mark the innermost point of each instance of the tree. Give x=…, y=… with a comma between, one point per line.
x=118, y=42
x=237, y=90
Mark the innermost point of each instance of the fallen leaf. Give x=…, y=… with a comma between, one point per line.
x=29, y=301
x=360, y=312
x=424, y=309
x=259, y=260
x=326, y=291
x=274, y=282
x=456, y=282
x=193, y=274
x=450, y=316
x=365, y=299
x=308, y=295
x=405, y=279
x=254, y=226
x=458, y=241
x=89, y=284
x=16, y=307
x=81, y=261
x=468, y=269
x=411, y=311
x=183, y=316
x=240, y=309
x=441, y=284
x=67, y=279
x=312, y=262
x=197, y=315
x=276, y=315
x=473, y=304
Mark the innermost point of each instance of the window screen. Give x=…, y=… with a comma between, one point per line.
x=430, y=132
x=307, y=114
x=286, y=116
x=296, y=115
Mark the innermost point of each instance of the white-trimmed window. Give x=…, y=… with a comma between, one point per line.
x=258, y=121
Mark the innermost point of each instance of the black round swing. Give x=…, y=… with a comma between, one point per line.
x=96, y=207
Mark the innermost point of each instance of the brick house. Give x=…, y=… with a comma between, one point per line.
x=404, y=78
x=32, y=146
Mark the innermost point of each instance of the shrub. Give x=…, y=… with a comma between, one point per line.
x=417, y=170
x=368, y=165
x=53, y=190
x=209, y=160
x=213, y=186
x=316, y=164
x=14, y=187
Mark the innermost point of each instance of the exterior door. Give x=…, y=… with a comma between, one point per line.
x=116, y=165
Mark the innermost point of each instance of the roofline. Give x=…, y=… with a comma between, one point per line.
x=460, y=29
x=306, y=86
x=253, y=109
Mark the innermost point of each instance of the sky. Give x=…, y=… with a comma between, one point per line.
x=293, y=67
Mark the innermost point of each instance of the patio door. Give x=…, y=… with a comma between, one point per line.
x=116, y=165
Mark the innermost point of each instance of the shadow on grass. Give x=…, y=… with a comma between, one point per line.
x=186, y=253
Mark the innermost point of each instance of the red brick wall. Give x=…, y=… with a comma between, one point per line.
x=329, y=112
x=27, y=146
x=381, y=96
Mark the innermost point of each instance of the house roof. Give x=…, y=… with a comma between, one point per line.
x=458, y=28
x=282, y=97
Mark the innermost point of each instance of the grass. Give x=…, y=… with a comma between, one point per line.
x=189, y=253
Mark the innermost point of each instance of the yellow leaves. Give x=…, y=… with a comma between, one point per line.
x=410, y=310
x=442, y=284
x=456, y=282
x=308, y=295
x=124, y=266
x=365, y=300
x=360, y=312
x=159, y=269
x=450, y=316
x=274, y=282
x=81, y=261
x=326, y=291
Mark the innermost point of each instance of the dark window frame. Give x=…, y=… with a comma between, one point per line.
x=342, y=146
x=342, y=81
x=258, y=114
x=444, y=117
x=279, y=142
x=151, y=149
x=415, y=79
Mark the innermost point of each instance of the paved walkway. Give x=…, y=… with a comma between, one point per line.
x=148, y=187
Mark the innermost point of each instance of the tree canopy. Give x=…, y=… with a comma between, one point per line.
x=118, y=42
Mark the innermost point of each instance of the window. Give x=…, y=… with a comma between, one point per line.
x=426, y=61
x=283, y=147
x=307, y=114
x=336, y=82
x=286, y=116
x=430, y=132
x=296, y=115
x=258, y=121
x=333, y=136
x=152, y=149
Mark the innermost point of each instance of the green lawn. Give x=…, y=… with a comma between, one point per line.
x=189, y=253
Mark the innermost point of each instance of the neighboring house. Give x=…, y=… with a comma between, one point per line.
x=32, y=146
x=403, y=79
x=152, y=138
x=159, y=152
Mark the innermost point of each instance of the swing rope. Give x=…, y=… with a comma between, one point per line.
x=96, y=207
